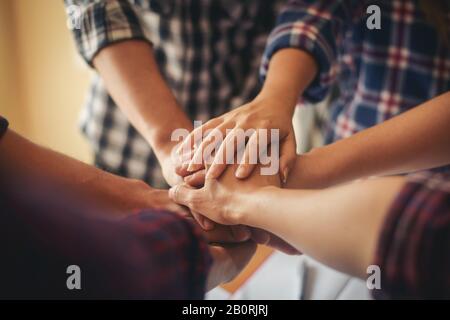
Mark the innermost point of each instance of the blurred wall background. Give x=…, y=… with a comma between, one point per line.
x=43, y=82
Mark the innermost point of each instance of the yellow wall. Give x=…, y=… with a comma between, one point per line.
x=43, y=82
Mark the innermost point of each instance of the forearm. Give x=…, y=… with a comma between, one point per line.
x=20, y=156
x=132, y=77
x=338, y=226
x=415, y=140
x=290, y=72
x=21, y=159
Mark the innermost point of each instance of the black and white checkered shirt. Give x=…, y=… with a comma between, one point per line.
x=209, y=52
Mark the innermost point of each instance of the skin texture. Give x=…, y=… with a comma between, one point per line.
x=223, y=196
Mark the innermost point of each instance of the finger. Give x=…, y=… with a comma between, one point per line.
x=209, y=142
x=189, y=142
x=183, y=195
x=228, y=261
x=240, y=232
x=180, y=210
x=260, y=236
x=288, y=154
x=223, y=156
x=182, y=163
x=227, y=234
x=181, y=170
x=203, y=221
x=249, y=159
x=196, y=179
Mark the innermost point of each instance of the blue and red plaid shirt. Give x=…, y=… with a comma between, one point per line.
x=379, y=73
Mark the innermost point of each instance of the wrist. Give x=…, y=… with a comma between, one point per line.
x=160, y=136
x=250, y=207
x=283, y=98
x=315, y=169
x=162, y=144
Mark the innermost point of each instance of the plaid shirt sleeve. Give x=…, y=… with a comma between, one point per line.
x=414, y=247
x=97, y=24
x=316, y=27
x=151, y=254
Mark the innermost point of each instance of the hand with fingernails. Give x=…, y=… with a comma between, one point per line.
x=219, y=201
x=262, y=113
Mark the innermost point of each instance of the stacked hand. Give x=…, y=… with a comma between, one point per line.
x=212, y=192
x=261, y=113
x=220, y=201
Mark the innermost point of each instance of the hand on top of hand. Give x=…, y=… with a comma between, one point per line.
x=218, y=201
x=261, y=113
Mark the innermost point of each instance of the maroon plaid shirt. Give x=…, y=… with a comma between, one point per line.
x=414, y=248
x=149, y=255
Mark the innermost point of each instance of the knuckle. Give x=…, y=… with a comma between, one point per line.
x=140, y=184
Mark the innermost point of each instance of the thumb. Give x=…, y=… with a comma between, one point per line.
x=288, y=155
x=182, y=194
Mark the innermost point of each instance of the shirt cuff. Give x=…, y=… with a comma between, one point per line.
x=306, y=37
x=104, y=23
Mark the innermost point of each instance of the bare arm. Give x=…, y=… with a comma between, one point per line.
x=22, y=158
x=132, y=77
x=290, y=72
x=339, y=226
x=415, y=140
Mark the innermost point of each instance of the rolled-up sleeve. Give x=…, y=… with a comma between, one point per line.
x=97, y=24
x=316, y=27
x=414, y=247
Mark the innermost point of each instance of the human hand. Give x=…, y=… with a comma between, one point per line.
x=222, y=200
x=228, y=262
x=222, y=234
x=261, y=113
x=127, y=195
x=268, y=239
x=218, y=197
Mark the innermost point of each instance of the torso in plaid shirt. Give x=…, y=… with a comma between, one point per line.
x=379, y=73
x=208, y=51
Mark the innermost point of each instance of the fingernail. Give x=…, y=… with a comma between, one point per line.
x=240, y=172
x=191, y=167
